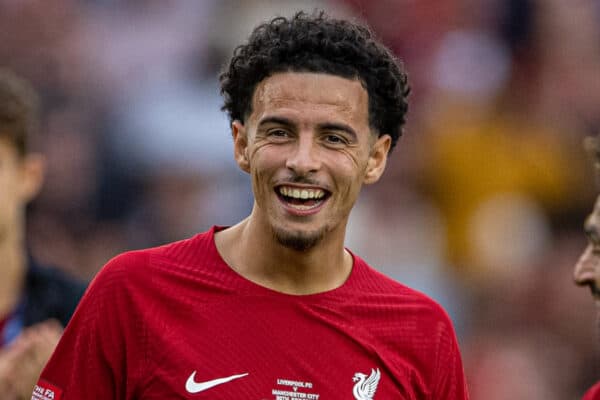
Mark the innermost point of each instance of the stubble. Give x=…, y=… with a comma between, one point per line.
x=299, y=240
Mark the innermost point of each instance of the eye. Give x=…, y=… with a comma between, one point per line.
x=335, y=139
x=278, y=133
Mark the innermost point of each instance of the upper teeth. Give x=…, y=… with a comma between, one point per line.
x=301, y=193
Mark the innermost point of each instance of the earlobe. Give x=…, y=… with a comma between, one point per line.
x=34, y=171
x=240, y=145
x=378, y=159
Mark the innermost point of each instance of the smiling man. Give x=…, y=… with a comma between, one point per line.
x=274, y=307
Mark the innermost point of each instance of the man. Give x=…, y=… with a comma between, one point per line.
x=587, y=269
x=274, y=307
x=35, y=302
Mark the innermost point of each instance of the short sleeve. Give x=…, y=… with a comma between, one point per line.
x=450, y=382
x=101, y=353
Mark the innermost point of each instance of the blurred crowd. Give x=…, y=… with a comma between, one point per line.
x=481, y=206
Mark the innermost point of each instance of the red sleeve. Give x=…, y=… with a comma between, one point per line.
x=593, y=393
x=101, y=353
x=450, y=382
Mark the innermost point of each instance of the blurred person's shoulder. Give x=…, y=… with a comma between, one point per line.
x=50, y=292
x=50, y=277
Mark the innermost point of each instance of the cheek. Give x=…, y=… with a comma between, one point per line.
x=595, y=264
x=350, y=168
x=8, y=187
x=262, y=161
x=263, y=165
x=589, y=263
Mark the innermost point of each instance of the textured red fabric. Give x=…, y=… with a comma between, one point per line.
x=152, y=318
x=3, y=322
x=593, y=393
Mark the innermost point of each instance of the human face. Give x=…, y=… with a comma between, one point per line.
x=9, y=187
x=587, y=269
x=20, y=178
x=308, y=147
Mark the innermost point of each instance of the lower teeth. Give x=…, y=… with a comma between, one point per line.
x=302, y=207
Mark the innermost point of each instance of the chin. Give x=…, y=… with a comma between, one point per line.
x=298, y=240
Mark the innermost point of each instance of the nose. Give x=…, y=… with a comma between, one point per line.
x=587, y=267
x=304, y=157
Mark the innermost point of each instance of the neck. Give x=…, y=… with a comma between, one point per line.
x=255, y=254
x=12, y=272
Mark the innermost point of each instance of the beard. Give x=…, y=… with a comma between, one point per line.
x=298, y=240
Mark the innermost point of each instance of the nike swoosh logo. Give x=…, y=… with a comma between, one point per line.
x=196, y=387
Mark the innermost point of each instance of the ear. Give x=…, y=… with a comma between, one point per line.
x=378, y=159
x=240, y=145
x=33, y=170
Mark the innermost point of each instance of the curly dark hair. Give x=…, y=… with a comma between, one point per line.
x=19, y=105
x=319, y=43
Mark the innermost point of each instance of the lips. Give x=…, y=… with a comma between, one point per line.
x=302, y=200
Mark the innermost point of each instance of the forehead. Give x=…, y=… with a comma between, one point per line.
x=316, y=93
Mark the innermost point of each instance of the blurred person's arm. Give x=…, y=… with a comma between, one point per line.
x=22, y=361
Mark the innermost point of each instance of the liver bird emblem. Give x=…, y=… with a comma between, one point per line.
x=365, y=386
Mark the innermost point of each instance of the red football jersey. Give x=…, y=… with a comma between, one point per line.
x=176, y=322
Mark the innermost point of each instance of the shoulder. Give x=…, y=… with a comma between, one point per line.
x=374, y=283
x=140, y=268
x=183, y=253
x=399, y=299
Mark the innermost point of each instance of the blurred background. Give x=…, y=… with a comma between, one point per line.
x=482, y=205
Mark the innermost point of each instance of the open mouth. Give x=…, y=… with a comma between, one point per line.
x=302, y=199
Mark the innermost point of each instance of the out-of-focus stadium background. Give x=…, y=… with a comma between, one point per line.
x=483, y=201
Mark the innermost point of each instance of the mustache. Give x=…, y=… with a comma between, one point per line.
x=594, y=289
x=302, y=179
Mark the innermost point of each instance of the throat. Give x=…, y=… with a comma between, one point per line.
x=247, y=249
x=308, y=275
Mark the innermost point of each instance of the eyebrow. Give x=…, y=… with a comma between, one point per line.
x=331, y=126
x=276, y=120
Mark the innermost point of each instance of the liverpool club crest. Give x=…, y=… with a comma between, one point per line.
x=365, y=386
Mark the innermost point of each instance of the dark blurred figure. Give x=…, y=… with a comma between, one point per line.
x=35, y=302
